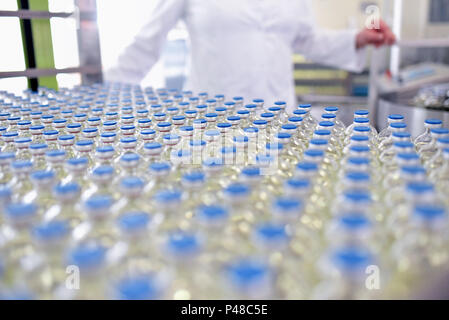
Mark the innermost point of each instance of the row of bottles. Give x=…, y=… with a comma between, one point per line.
x=117, y=192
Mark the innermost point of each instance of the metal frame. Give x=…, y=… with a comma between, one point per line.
x=35, y=73
x=374, y=88
x=88, y=42
x=33, y=14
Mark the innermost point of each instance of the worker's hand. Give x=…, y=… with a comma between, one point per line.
x=378, y=37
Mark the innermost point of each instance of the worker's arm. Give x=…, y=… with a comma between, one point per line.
x=138, y=58
x=329, y=47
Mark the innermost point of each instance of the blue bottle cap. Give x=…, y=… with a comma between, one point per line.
x=212, y=133
x=283, y=135
x=429, y=212
x=280, y=103
x=271, y=232
x=51, y=231
x=359, y=138
x=443, y=140
x=164, y=124
x=300, y=112
x=295, y=119
x=233, y=118
x=199, y=121
x=128, y=140
x=361, y=112
x=357, y=196
x=83, y=143
x=168, y=196
x=408, y=156
x=7, y=156
x=22, y=140
x=318, y=142
x=51, y=132
x=55, y=153
x=133, y=221
x=74, y=125
x=420, y=187
x=314, y=153
x=148, y=132
x=362, y=129
x=137, y=288
x=414, y=170
x=289, y=126
x=128, y=127
x=20, y=210
x=152, y=145
x=361, y=120
x=10, y=134
x=132, y=183
x=78, y=161
x=224, y=125
x=404, y=144
x=171, y=137
x=307, y=166
x=105, y=149
x=267, y=115
x=87, y=256
x=251, y=171
x=328, y=116
x=440, y=131
x=298, y=183
x=354, y=221
x=130, y=157
x=98, y=202
x=326, y=124
x=181, y=243
x=398, y=125
x=287, y=204
x=66, y=137
x=212, y=213
x=251, y=130
x=159, y=166
x=247, y=273
x=211, y=115
x=433, y=121
x=396, y=117
x=67, y=188
x=260, y=122
x=103, y=170
x=352, y=258
x=359, y=149
x=357, y=176
x=359, y=161
x=237, y=189
x=194, y=177
x=42, y=175
x=5, y=192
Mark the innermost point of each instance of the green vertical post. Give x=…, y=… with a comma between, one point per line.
x=42, y=42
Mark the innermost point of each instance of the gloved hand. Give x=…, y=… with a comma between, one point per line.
x=377, y=37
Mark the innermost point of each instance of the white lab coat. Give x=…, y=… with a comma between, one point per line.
x=240, y=47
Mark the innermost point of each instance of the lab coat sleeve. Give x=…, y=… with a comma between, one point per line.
x=137, y=59
x=328, y=47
